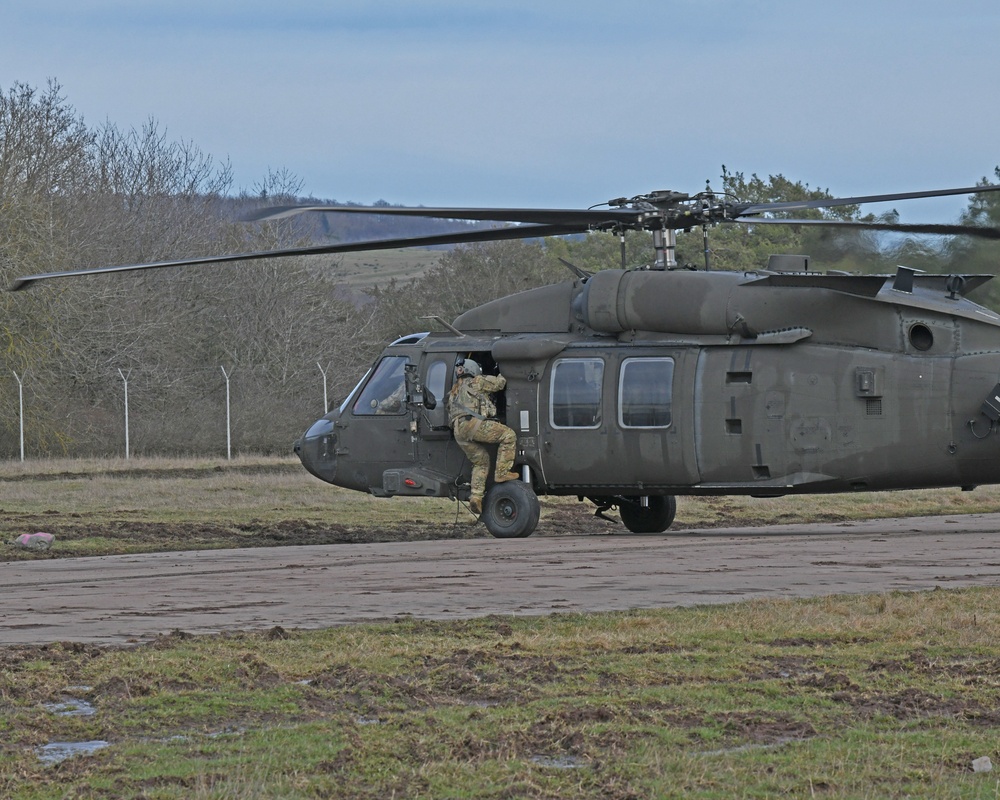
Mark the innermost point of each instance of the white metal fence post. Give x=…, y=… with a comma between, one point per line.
x=229, y=432
x=125, y=377
x=20, y=403
x=326, y=404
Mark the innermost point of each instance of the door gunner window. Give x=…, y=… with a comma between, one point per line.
x=575, y=395
x=385, y=392
x=644, y=392
x=435, y=385
x=436, y=375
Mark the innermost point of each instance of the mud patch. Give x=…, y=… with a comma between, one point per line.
x=908, y=704
x=761, y=729
x=970, y=670
x=368, y=694
x=76, y=538
x=76, y=535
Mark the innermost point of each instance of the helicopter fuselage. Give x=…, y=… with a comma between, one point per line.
x=638, y=384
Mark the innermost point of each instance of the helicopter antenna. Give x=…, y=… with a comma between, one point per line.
x=580, y=273
x=709, y=196
x=444, y=323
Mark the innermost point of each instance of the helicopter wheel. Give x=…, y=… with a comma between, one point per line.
x=653, y=518
x=511, y=510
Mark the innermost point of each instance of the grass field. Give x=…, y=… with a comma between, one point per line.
x=879, y=696
x=852, y=697
x=360, y=270
x=101, y=507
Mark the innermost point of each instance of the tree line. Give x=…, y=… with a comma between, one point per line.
x=73, y=196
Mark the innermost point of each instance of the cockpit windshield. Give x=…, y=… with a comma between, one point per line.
x=385, y=392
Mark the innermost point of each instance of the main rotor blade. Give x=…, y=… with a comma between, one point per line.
x=548, y=216
x=645, y=211
x=900, y=227
x=795, y=205
x=467, y=237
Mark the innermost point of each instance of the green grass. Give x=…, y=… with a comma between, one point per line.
x=848, y=697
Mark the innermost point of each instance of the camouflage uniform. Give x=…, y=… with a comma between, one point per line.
x=393, y=404
x=470, y=413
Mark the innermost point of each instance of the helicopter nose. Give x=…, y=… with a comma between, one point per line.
x=317, y=449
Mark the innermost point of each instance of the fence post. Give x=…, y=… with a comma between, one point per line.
x=326, y=405
x=229, y=433
x=20, y=403
x=125, y=377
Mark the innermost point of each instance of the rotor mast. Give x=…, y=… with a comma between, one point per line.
x=665, y=248
x=657, y=212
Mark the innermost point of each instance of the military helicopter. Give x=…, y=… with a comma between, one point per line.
x=628, y=387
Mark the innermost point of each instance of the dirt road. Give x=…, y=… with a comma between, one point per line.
x=131, y=598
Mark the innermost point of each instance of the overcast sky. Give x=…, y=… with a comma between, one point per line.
x=554, y=103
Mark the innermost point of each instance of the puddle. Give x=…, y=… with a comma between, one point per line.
x=54, y=752
x=367, y=721
x=71, y=707
x=226, y=732
x=189, y=737
x=559, y=762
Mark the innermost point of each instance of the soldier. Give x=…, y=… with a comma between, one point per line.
x=393, y=404
x=472, y=415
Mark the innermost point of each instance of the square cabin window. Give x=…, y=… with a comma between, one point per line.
x=575, y=394
x=644, y=392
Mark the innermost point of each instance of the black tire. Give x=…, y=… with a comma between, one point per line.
x=511, y=510
x=653, y=518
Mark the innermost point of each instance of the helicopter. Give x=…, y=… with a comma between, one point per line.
x=629, y=387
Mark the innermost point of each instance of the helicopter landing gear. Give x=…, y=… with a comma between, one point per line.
x=655, y=517
x=511, y=510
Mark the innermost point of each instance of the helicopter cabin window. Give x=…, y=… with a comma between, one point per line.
x=575, y=394
x=385, y=392
x=435, y=413
x=435, y=383
x=644, y=392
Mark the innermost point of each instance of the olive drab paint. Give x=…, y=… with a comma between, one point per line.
x=662, y=383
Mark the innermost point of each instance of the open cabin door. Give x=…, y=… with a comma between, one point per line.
x=436, y=447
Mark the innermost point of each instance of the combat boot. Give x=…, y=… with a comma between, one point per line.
x=476, y=505
x=510, y=476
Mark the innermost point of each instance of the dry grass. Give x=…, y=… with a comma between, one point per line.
x=106, y=506
x=362, y=270
x=737, y=510
x=173, y=489
x=250, y=483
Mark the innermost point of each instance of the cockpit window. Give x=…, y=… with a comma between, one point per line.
x=385, y=392
x=343, y=405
